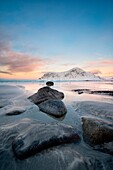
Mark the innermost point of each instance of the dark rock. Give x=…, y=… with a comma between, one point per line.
x=97, y=131
x=80, y=92
x=103, y=92
x=55, y=108
x=44, y=94
x=49, y=83
x=62, y=157
x=99, y=92
x=106, y=148
x=40, y=136
x=15, y=112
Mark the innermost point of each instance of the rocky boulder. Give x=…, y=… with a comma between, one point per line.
x=40, y=136
x=54, y=108
x=44, y=94
x=97, y=131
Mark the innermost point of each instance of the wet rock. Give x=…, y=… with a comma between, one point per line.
x=63, y=157
x=54, y=108
x=67, y=158
x=15, y=112
x=9, y=131
x=106, y=148
x=40, y=136
x=97, y=131
x=84, y=90
x=49, y=101
x=103, y=92
x=44, y=94
x=99, y=92
x=80, y=92
x=49, y=83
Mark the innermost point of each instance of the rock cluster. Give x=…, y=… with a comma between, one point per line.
x=49, y=101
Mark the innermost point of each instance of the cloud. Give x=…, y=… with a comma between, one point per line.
x=5, y=72
x=4, y=46
x=16, y=61
x=109, y=73
x=99, y=63
x=95, y=71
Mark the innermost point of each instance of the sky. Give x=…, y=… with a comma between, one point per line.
x=38, y=36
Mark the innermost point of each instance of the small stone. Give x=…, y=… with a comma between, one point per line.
x=49, y=83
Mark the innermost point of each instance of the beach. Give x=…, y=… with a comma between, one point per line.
x=83, y=100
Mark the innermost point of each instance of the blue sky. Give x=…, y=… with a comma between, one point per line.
x=57, y=34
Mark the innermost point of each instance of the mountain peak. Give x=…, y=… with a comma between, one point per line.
x=76, y=69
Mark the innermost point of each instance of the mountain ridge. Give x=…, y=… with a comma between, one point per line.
x=72, y=74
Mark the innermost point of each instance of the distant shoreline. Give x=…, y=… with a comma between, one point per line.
x=26, y=80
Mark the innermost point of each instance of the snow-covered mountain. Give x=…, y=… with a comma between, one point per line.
x=73, y=74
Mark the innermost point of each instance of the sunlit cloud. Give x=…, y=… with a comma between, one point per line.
x=95, y=71
x=105, y=65
x=109, y=74
x=16, y=61
x=5, y=72
x=99, y=63
x=21, y=64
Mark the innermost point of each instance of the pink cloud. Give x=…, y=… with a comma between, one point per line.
x=99, y=63
x=16, y=61
x=109, y=73
x=95, y=71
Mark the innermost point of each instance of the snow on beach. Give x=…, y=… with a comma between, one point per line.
x=17, y=114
